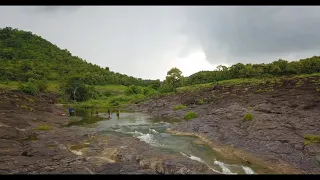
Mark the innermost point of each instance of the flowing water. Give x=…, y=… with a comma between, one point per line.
x=153, y=132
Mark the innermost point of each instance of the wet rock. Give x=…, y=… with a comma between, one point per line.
x=111, y=168
x=25, y=153
x=276, y=131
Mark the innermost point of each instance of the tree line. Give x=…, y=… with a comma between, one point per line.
x=280, y=67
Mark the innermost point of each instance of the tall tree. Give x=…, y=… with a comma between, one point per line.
x=174, y=77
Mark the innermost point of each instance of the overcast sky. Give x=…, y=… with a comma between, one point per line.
x=147, y=41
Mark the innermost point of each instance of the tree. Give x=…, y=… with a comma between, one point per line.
x=76, y=90
x=174, y=77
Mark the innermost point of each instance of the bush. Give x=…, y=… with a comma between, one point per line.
x=309, y=139
x=179, y=106
x=190, y=115
x=248, y=117
x=45, y=127
x=200, y=102
x=23, y=107
x=28, y=88
x=134, y=90
x=33, y=86
x=147, y=91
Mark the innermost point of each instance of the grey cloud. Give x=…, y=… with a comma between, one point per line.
x=247, y=33
x=146, y=41
x=55, y=9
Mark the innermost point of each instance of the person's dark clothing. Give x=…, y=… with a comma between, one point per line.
x=70, y=111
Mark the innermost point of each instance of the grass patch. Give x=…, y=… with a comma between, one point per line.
x=24, y=107
x=311, y=139
x=111, y=89
x=260, y=90
x=190, y=115
x=11, y=85
x=44, y=128
x=179, y=106
x=318, y=89
x=307, y=75
x=30, y=100
x=246, y=82
x=248, y=117
x=299, y=83
x=194, y=88
x=54, y=86
x=200, y=102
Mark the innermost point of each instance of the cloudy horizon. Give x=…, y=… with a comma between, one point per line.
x=146, y=41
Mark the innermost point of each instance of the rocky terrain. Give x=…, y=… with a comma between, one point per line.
x=283, y=134
x=35, y=140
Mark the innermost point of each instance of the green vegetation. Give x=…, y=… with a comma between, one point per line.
x=25, y=55
x=173, y=80
x=190, y=115
x=248, y=117
x=311, y=139
x=30, y=100
x=274, y=69
x=33, y=86
x=318, y=89
x=33, y=65
x=299, y=83
x=200, y=102
x=179, y=106
x=194, y=88
x=111, y=89
x=44, y=127
x=23, y=107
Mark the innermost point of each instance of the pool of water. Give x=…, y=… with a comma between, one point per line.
x=153, y=131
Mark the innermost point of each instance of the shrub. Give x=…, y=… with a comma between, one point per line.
x=44, y=127
x=190, y=115
x=30, y=100
x=200, y=102
x=23, y=107
x=33, y=86
x=312, y=138
x=28, y=88
x=309, y=139
x=179, y=106
x=134, y=90
x=248, y=117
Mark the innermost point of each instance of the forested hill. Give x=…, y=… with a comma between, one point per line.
x=24, y=55
x=275, y=69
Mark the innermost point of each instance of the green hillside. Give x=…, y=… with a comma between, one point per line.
x=24, y=55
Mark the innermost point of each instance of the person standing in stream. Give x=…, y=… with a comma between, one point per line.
x=118, y=113
x=109, y=113
x=70, y=111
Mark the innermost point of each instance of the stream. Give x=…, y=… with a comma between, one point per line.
x=153, y=131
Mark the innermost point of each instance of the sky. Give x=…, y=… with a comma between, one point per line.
x=146, y=41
